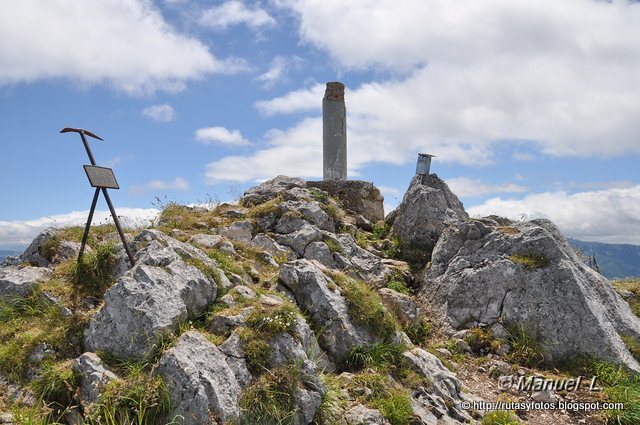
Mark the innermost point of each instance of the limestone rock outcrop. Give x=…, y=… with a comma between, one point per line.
x=21, y=281
x=202, y=386
x=526, y=274
x=427, y=209
x=152, y=298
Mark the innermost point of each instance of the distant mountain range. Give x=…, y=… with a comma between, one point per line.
x=5, y=253
x=614, y=260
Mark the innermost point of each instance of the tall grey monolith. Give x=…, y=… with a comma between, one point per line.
x=334, y=133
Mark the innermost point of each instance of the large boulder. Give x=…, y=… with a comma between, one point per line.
x=525, y=273
x=427, y=208
x=153, y=298
x=21, y=281
x=357, y=196
x=270, y=189
x=316, y=294
x=202, y=386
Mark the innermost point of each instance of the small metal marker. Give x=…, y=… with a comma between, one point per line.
x=424, y=164
x=101, y=178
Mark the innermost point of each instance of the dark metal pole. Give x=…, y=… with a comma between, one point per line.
x=117, y=223
x=87, y=148
x=89, y=220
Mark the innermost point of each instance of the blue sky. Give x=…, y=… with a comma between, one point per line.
x=532, y=107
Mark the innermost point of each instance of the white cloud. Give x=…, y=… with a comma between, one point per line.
x=278, y=70
x=158, y=185
x=220, y=135
x=304, y=158
x=303, y=100
x=465, y=187
x=125, y=43
x=18, y=234
x=605, y=215
x=234, y=12
x=160, y=113
x=470, y=76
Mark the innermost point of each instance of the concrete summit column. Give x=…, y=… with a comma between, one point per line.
x=334, y=133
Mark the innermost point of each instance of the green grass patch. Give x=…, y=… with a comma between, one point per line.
x=333, y=245
x=333, y=404
x=366, y=308
x=381, y=230
x=530, y=261
x=481, y=341
x=262, y=325
x=264, y=209
x=270, y=398
x=391, y=399
x=26, y=322
x=419, y=332
x=399, y=286
x=332, y=208
x=632, y=285
x=633, y=345
x=57, y=384
x=361, y=239
x=526, y=348
x=620, y=386
x=93, y=273
x=500, y=417
x=375, y=356
x=226, y=262
x=139, y=398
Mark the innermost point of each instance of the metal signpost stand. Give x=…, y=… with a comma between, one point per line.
x=101, y=178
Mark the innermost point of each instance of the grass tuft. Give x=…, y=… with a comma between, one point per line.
x=530, y=261
x=271, y=398
x=366, y=308
x=93, y=273
x=376, y=356
x=526, y=349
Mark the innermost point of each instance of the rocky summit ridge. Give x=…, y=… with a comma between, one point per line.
x=298, y=304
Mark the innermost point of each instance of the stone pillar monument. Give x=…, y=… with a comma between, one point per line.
x=334, y=133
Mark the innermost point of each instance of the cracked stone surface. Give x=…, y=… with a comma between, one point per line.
x=475, y=274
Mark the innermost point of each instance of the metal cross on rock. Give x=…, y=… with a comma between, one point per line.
x=101, y=178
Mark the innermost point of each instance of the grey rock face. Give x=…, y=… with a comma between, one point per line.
x=223, y=323
x=326, y=307
x=299, y=239
x=351, y=257
x=270, y=189
x=569, y=307
x=286, y=350
x=151, y=299
x=205, y=241
x=362, y=415
x=94, y=376
x=33, y=254
x=21, y=281
x=404, y=307
x=320, y=252
x=240, y=231
x=356, y=196
x=232, y=348
x=272, y=247
x=201, y=384
x=427, y=208
x=444, y=391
